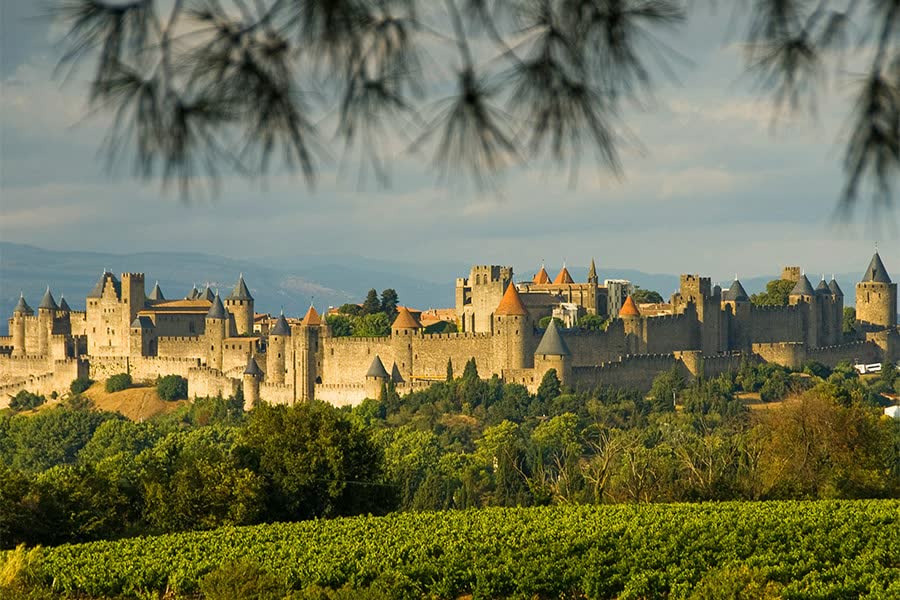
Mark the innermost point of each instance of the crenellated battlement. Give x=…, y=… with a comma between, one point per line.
x=467, y=335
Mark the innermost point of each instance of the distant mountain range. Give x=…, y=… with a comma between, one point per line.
x=288, y=282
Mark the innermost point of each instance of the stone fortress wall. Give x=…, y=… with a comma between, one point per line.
x=210, y=341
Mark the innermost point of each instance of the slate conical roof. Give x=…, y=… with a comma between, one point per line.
x=252, y=367
x=216, y=311
x=823, y=288
x=22, y=306
x=312, y=318
x=876, y=273
x=736, y=292
x=541, y=277
x=240, y=291
x=835, y=288
x=629, y=308
x=63, y=305
x=156, y=294
x=405, y=320
x=207, y=294
x=803, y=287
x=193, y=294
x=511, y=303
x=563, y=277
x=47, y=301
x=98, y=288
x=281, y=326
x=552, y=343
x=376, y=369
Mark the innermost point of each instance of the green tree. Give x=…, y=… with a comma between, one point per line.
x=172, y=387
x=80, y=385
x=118, y=382
x=666, y=388
x=592, y=323
x=340, y=325
x=470, y=372
x=389, y=300
x=848, y=324
x=642, y=296
x=372, y=325
x=315, y=462
x=25, y=400
x=371, y=304
x=351, y=310
x=449, y=370
x=550, y=387
x=544, y=323
x=776, y=294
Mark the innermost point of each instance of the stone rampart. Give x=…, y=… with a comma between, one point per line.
x=634, y=372
x=148, y=368
x=180, y=346
x=430, y=353
x=856, y=352
x=103, y=367
x=346, y=359
x=341, y=394
x=204, y=382
x=276, y=393
x=57, y=380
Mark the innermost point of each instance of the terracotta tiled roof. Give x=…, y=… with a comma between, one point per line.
x=511, y=303
x=541, y=277
x=563, y=277
x=312, y=318
x=629, y=309
x=405, y=320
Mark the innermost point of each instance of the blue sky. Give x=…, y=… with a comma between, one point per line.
x=714, y=189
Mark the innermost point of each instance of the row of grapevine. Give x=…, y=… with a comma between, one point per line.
x=824, y=549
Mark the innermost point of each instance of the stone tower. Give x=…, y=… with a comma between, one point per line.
x=803, y=296
x=478, y=296
x=216, y=332
x=699, y=291
x=511, y=326
x=837, y=308
x=20, y=313
x=46, y=315
x=252, y=374
x=876, y=297
x=133, y=300
x=306, y=353
x=736, y=301
x=240, y=304
x=376, y=377
x=631, y=318
x=279, y=342
x=404, y=328
x=553, y=353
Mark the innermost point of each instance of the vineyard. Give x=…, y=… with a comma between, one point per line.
x=818, y=549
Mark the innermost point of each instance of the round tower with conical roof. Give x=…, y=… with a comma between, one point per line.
x=553, y=353
x=276, y=357
x=46, y=315
x=252, y=375
x=240, y=304
x=512, y=327
x=404, y=331
x=306, y=341
x=876, y=298
x=804, y=297
x=633, y=325
x=376, y=377
x=20, y=313
x=215, y=333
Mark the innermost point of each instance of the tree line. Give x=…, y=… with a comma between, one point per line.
x=70, y=474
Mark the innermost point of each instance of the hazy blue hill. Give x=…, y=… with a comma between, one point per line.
x=288, y=281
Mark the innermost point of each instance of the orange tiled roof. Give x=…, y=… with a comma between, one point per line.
x=405, y=320
x=563, y=277
x=511, y=303
x=312, y=317
x=629, y=309
x=541, y=277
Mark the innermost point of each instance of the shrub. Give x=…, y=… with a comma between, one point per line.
x=240, y=579
x=119, y=382
x=25, y=400
x=172, y=387
x=80, y=385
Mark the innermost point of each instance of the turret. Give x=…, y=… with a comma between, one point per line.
x=592, y=274
x=511, y=326
x=306, y=353
x=376, y=377
x=631, y=318
x=279, y=337
x=156, y=294
x=563, y=277
x=876, y=298
x=216, y=327
x=141, y=336
x=46, y=314
x=553, y=353
x=404, y=330
x=804, y=295
x=240, y=304
x=252, y=375
x=133, y=298
x=542, y=277
x=20, y=313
